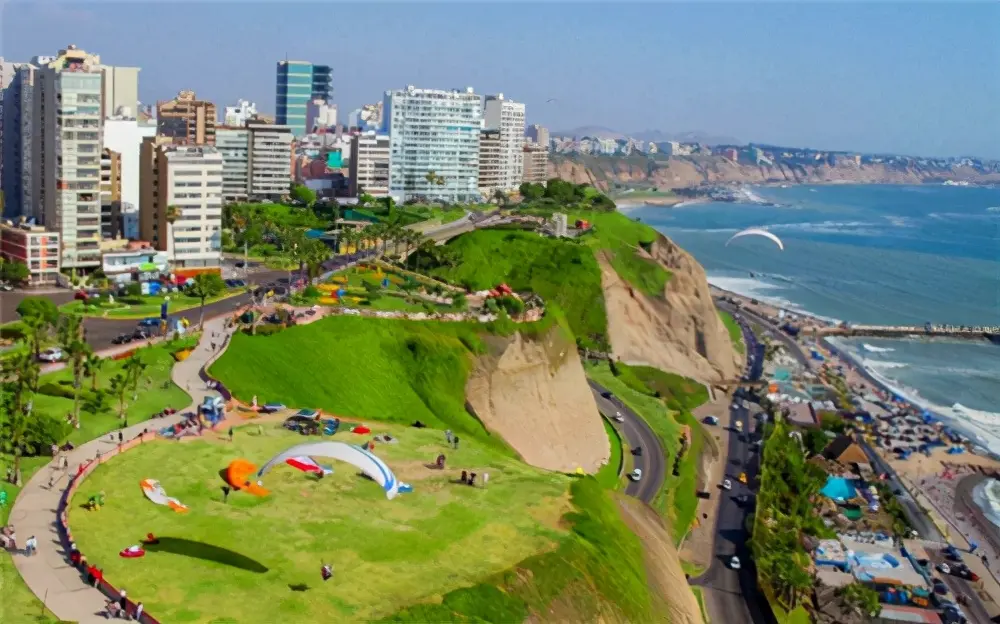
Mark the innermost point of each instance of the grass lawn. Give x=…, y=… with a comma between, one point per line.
x=380, y=369
x=700, y=597
x=608, y=475
x=18, y=604
x=620, y=236
x=560, y=271
x=149, y=307
x=678, y=391
x=638, y=194
x=677, y=500
x=735, y=333
x=386, y=554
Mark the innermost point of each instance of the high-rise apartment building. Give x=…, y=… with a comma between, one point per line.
x=66, y=153
x=233, y=144
x=491, y=157
x=238, y=115
x=119, y=91
x=298, y=84
x=507, y=116
x=369, y=165
x=184, y=182
x=536, y=163
x=111, y=194
x=18, y=183
x=538, y=134
x=186, y=120
x=434, y=144
x=10, y=137
x=125, y=136
x=270, y=160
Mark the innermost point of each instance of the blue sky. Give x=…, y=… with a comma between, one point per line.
x=916, y=78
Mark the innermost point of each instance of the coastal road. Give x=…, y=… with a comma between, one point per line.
x=637, y=433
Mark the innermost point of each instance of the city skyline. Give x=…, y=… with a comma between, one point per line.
x=885, y=78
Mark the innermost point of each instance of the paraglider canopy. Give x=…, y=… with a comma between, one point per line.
x=758, y=232
x=365, y=461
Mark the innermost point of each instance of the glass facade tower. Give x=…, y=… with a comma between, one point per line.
x=298, y=84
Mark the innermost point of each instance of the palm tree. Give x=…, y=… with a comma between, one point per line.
x=134, y=367
x=77, y=353
x=501, y=198
x=92, y=367
x=22, y=373
x=38, y=329
x=171, y=215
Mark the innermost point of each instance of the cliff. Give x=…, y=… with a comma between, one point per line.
x=688, y=171
x=534, y=393
x=680, y=332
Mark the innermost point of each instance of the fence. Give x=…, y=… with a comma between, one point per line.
x=66, y=536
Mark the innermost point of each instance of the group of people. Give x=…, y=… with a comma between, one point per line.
x=8, y=537
x=469, y=478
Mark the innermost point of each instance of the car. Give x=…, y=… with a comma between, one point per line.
x=141, y=334
x=54, y=354
x=122, y=339
x=943, y=568
x=636, y=475
x=150, y=322
x=967, y=574
x=734, y=563
x=711, y=420
x=6, y=287
x=607, y=395
x=619, y=417
x=240, y=264
x=727, y=484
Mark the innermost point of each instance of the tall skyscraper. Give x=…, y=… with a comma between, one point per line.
x=369, y=165
x=507, y=116
x=119, y=91
x=434, y=143
x=299, y=83
x=257, y=161
x=538, y=134
x=10, y=137
x=186, y=120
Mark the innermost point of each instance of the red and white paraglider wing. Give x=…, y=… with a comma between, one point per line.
x=363, y=460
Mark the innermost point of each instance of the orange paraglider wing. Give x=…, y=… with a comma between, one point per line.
x=241, y=475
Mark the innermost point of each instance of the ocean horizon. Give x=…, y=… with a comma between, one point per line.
x=872, y=254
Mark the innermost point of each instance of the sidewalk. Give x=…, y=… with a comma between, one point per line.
x=48, y=574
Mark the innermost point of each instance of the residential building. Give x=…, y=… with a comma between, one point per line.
x=130, y=222
x=321, y=116
x=538, y=134
x=186, y=120
x=434, y=143
x=368, y=117
x=66, y=153
x=238, y=115
x=607, y=146
x=184, y=181
x=651, y=148
x=10, y=137
x=125, y=135
x=33, y=246
x=298, y=84
x=536, y=163
x=234, y=145
x=19, y=145
x=732, y=154
x=507, y=116
x=119, y=91
x=369, y=165
x=491, y=162
x=270, y=160
x=111, y=194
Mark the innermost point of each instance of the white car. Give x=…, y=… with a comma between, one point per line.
x=636, y=475
x=619, y=417
x=54, y=354
x=734, y=563
x=727, y=484
x=944, y=568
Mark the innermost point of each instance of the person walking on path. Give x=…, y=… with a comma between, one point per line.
x=31, y=546
x=121, y=437
x=138, y=612
x=122, y=600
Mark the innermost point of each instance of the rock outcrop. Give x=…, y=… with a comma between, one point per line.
x=680, y=332
x=534, y=393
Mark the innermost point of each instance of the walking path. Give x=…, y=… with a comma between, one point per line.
x=48, y=574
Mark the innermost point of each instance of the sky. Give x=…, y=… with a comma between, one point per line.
x=910, y=78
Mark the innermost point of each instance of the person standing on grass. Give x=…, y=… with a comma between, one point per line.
x=456, y=442
x=230, y=434
x=486, y=478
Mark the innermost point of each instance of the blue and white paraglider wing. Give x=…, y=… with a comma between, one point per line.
x=758, y=232
x=363, y=460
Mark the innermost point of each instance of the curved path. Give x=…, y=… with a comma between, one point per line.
x=48, y=574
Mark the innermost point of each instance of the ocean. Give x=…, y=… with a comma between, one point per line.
x=873, y=254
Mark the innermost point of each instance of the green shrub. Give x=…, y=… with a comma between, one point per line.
x=311, y=292
x=42, y=432
x=511, y=304
x=12, y=331
x=54, y=389
x=268, y=329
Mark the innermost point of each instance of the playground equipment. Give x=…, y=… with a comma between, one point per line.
x=240, y=476
x=213, y=410
x=155, y=493
x=373, y=467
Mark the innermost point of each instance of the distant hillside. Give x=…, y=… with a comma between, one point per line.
x=639, y=170
x=657, y=136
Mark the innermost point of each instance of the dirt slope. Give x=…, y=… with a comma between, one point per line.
x=533, y=392
x=663, y=565
x=681, y=333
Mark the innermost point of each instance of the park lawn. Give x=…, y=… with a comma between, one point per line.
x=389, y=303
x=387, y=554
x=381, y=369
x=18, y=603
x=179, y=302
x=735, y=333
x=560, y=271
x=620, y=237
x=156, y=391
x=609, y=474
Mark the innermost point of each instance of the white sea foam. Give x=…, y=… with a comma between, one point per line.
x=883, y=365
x=874, y=349
x=993, y=209
x=987, y=497
x=764, y=291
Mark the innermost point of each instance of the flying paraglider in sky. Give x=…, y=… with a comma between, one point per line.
x=757, y=232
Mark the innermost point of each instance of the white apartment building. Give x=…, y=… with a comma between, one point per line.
x=234, y=145
x=66, y=154
x=125, y=136
x=188, y=178
x=491, y=162
x=369, y=165
x=434, y=144
x=119, y=91
x=270, y=160
x=507, y=116
x=238, y=115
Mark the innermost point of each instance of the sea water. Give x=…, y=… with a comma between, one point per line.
x=987, y=497
x=873, y=254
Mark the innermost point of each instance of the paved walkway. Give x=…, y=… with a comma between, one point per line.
x=48, y=573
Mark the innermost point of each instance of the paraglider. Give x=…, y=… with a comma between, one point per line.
x=757, y=232
x=367, y=462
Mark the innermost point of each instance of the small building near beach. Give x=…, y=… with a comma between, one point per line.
x=843, y=450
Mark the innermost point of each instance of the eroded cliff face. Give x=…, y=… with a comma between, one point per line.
x=534, y=393
x=680, y=332
x=689, y=171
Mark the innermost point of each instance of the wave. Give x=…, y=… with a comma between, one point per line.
x=857, y=228
x=883, y=364
x=987, y=497
x=962, y=216
x=874, y=349
x=993, y=209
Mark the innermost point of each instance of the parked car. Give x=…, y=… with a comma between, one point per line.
x=734, y=563
x=122, y=339
x=150, y=322
x=141, y=334
x=636, y=475
x=727, y=484
x=55, y=354
x=607, y=395
x=6, y=287
x=944, y=568
x=619, y=417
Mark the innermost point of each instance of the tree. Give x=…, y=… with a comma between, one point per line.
x=77, y=353
x=365, y=200
x=39, y=307
x=134, y=367
x=14, y=272
x=531, y=191
x=171, y=215
x=303, y=194
x=92, y=368
x=203, y=286
x=500, y=198
x=22, y=372
x=862, y=598
x=314, y=254
x=560, y=190
x=119, y=388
